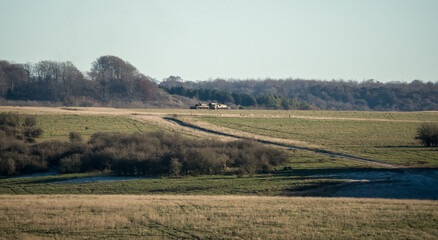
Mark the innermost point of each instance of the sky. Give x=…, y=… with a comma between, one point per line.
x=384, y=40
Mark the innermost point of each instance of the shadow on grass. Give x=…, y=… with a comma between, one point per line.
x=405, y=183
x=411, y=147
x=313, y=172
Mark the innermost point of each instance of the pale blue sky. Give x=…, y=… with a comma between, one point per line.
x=386, y=40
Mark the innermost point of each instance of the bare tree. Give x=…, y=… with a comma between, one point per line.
x=115, y=76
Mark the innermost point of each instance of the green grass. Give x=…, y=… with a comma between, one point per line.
x=398, y=116
x=264, y=184
x=59, y=126
x=306, y=160
x=384, y=141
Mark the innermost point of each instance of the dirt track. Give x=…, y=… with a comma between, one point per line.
x=281, y=143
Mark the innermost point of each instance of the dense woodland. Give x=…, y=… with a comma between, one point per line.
x=112, y=81
x=328, y=95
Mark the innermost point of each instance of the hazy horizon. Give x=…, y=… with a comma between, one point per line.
x=200, y=40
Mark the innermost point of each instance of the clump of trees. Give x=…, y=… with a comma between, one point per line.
x=110, y=80
x=427, y=134
x=154, y=154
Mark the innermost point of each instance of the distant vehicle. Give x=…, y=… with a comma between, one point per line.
x=212, y=106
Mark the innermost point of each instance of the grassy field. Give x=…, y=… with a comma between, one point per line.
x=386, y=141
x=229, y=206
x=59, y=126
x=280, y=184
x=388, y=116
x=214, y=217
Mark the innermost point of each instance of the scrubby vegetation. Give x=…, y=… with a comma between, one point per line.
x=427, y=134
x=155, y=153
x=159, y=153
x=16, y=132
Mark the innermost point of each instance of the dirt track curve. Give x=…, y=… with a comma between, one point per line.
x=324, y=152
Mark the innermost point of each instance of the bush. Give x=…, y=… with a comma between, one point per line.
x=29, y=121
x=70, y=164
x=427, y=134
x=10, y=119
x=33, y=132
x=75, y=137
x=51, y=151
x=7, y=166
x=175, y=167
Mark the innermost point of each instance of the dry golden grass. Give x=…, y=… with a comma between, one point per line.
x=199, y=217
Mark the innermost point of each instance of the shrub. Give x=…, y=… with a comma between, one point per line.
x=10, y=119
x=29, y=121
x=97, y=161
x=10, y=131
x=50, y=151
x=175, y=167
x=70, y=164
x=33, y=132
x=75, y=137
x=427, y=134
x=7, y=166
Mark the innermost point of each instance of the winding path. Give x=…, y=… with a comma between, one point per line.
x=324, y=152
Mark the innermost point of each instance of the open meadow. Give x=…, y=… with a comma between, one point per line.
x=385, y=141
x=214, y=217
x=262, y=205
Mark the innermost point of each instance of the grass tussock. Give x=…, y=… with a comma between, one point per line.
x=201, y=217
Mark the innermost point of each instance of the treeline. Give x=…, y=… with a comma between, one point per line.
x=112, y=81
x=330, y=95
x=150, y=154
x=109, y=80
x=239, y=99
